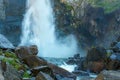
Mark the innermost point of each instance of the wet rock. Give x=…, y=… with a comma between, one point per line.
x=44, y=69
x=80, y=73
x=5, y=43
x=59, y=77
x=82, y=64
x=113, y=44
x=96, y=66
x=61, y=72
x=33, y=61
x=96, y=54
x=116, y=48
x=118, y=39
x=115, y=56
x=87, y=78
x=113, y=65
x=77, y=56
x=43, y=76
x=74, y=60
x=96, y=59
x=109, y=75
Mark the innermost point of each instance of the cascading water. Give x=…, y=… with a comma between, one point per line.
x=39, y=29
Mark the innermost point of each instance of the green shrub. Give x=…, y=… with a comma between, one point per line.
x=10, y=54
x=26, y=75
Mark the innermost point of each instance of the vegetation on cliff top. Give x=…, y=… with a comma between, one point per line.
x=108, y=5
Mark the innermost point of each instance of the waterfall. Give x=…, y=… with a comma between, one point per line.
x=38, y=28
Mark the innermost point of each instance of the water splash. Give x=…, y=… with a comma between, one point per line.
x=38, y=28
x=67, y=67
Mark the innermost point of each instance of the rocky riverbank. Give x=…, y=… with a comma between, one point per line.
x=22, y=63
x=103, y=62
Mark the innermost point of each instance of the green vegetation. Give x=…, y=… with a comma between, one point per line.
x=13, y=62
x=26, y=75
x=11, y=58
x=10, y=54
x=108, y=5
x=69, y=7
x=1, y=52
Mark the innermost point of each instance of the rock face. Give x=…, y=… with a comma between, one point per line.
x=91, y=25
x=2, y=10
x=5, y=43
x=11, y=15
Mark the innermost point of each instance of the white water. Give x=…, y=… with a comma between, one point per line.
x=39, y=29
x=67, y=67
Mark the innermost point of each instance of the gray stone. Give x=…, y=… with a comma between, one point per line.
x=11, y=73
x=43, y=76
x=109, y=75
x=5, y=43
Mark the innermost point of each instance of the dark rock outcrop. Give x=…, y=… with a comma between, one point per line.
x=91, y=25
x=96, y=54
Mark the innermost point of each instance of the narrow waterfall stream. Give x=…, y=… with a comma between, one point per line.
x=38, y=28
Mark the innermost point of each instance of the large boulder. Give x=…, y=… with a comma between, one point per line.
x=24, y=51
x=61, y=73
x=96, y=59
x=96, y=54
